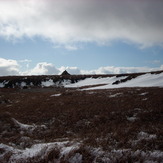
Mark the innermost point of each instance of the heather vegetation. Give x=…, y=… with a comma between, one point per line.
x=57, y=124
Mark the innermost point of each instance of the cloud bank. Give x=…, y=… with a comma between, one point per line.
x=42, y=68
x=67, y=22
x=9, y=67
x=13, y=67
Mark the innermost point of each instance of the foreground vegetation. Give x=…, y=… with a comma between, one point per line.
x=102, y=126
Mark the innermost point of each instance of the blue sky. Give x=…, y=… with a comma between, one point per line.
x=89, y=55
x=91, y=38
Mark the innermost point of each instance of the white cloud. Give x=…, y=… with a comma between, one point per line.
x=49, y=69
x=42, y=69
x=66, y=22
x=120, y=70
x=71, y=70
x=12, y=67
x=8, y=67
x=70, y=47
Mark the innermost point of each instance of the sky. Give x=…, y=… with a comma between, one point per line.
x=46, y=37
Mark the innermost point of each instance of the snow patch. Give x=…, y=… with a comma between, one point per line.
x=27, y=127
x=124, y=155
x=77, y=158
x=66, y=82
x=145, y=136
x=23, y=84
x=132, y=119
x=93, y=81
x=146, y=80
x=50, y=82
x=2, y=84
x=115, y=95
x=143, y=94
x=56, y=95
x=144, y=99
x=39, y=151
x=47, y=83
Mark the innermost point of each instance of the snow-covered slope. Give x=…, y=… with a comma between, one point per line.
x=93, y=81
x=146, y=80
x=154, y=79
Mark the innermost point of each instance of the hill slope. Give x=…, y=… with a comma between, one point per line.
x=110, y=81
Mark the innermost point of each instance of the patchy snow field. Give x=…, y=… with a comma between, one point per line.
x=87, y=81
x=146, y=80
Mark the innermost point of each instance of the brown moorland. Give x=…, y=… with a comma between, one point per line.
x=128, y=119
